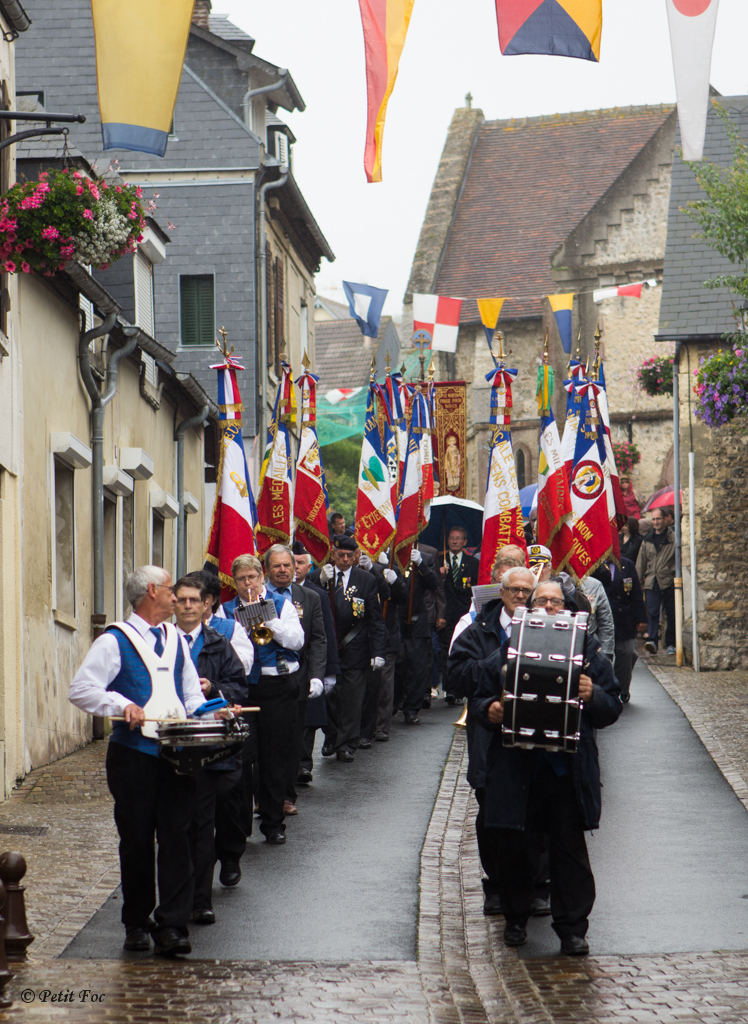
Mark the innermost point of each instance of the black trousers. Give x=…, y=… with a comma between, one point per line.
x=417, y=655
x=152, y=804
x=623, y=666
x=445, y=639
x=489, y=842
x=277, y=698
x=296, y=754
x=344, y=709
x=380, y=691
x=552, y=807
x=217, y=831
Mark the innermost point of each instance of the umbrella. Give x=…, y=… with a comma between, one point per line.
x=447, y=512
x=528, y=496
x=665, y=496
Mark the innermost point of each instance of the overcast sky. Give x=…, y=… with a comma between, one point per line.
x=452, y=48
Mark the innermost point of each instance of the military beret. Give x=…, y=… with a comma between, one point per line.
x=342, y=542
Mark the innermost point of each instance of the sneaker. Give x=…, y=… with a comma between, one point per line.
x=650, y=647
x=671, y=650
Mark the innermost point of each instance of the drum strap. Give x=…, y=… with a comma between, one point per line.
x=164, y=701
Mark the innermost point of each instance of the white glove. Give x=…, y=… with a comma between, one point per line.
x=316, y=687
x=416, y=557
x=330, y=682
x=383, y=559
x=390, y=575
x=377, y=664
x=327, y=572
x=364, y=562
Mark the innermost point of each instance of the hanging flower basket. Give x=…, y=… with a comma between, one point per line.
x=626, y=455
x=66, y=216
x=722, y=386
x=655, y=376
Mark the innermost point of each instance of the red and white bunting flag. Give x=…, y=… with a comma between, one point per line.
x=692, y=24
x=440, y=316
x=633, y=291
x=310, y=495
x=341, y=394
x=591, y=542
x=275, y=500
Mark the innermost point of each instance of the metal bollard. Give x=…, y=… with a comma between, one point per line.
x=17, y=934
x=5, y=974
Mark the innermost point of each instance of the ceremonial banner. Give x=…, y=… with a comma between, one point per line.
x=409, y=511
x=421, y=424
x=565, y=28
x=375, y=513
x=591, y=542
x=365, y=304
x=502, y=511
x=234, y=513
x=448, y=439
x=573, y=406
x=616, y=507
x=138, y=74
x=310, y=493
x=490, y=311
x=554, y=501
x=561, y=306
x=275, y=500
x=440, y=316
x=692, y=25
x=385, y=24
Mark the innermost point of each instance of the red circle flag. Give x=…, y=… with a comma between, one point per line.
x=692, y=8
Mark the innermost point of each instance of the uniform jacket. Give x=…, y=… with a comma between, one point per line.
x=333, y=662
x=425, y=581
x=625, y=598
x=313, y=655
x=459, y=595
x=371, y=641
x=436, y=602
x=395, y=594
x=657, y=565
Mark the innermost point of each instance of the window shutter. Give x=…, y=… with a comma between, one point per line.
x=144, y=293
x=196, y=294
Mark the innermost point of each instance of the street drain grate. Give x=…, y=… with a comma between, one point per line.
x=24, y=830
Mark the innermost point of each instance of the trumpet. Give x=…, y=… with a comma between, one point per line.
x=253, y=617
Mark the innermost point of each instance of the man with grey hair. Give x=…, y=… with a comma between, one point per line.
x=140, y=670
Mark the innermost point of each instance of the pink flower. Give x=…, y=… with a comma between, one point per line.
x=139, y=192
x=77, y=174
x=88, y=215
x=10, y=266
x=19, y=248
x=117, y=188
x=67, y=250
x=25, y=268
x=738, y=352
x=79, y=190
x=50, y=232
x=92, y=189
x=44, y=175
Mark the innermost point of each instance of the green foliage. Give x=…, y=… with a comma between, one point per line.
x=656, y=375
x=722, y=384
x=341, y=461
x=626, y=455
x=723, y=215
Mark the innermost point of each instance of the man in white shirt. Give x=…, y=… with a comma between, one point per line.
x=120, y=677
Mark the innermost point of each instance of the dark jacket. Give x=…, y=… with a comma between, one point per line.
x=509, y=770
x=395, y=594
x=371, y=640
x=630, y=548
x=333, y=662
x=436, y=603
x=313, y=655
x=459, y=595
x=657, y=564
x=219, y=662
x=422, y=579
x=625, y=598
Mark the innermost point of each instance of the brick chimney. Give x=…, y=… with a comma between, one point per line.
x=201, y=13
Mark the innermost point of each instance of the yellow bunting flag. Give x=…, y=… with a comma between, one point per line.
x=490, y=311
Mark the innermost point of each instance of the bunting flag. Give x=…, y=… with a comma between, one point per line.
x=502, y=511
x=275, y=501
x=692, y=25
x=385, y=24
x=490, y=311
x=553, y=498
x=634, y=291
x=137, y=94
x=564, y=28
x=591, y=542
x=341, y=394
x=375, y=513
x=573, y=405
x=365, y=304
x=234, y=513
x=440, y=316
x=409, y=512
x=561, y=306
x=617, y=513
x=310, y=499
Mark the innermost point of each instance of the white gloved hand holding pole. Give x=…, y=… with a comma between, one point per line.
x=316, y=687
x=377, y=664
x=327, y=572
x=390, y=575
x=416, y=557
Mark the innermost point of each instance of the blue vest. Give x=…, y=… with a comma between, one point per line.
x=223, y=626
x=267, y=654
x=133, y=681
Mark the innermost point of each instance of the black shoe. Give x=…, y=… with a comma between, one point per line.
x=204, y=916
x=137, y=940
x=230, y=873
x=491, y=904
x=515, y=935
x=625, y=698
x=304, y=777
x=328, y=750
x=426, y=702
x=345, y=755
x=381, y=737
x=275, y=838
x=364, y=744
x=450, y=698
x=412, y=720
x=574, y=945
x=170, y=943
x=540, y=907
x=650, y=647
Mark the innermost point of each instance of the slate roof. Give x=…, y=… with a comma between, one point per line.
x=528, y=184
x=687, y=308
x=221, y=26
x=343, y=357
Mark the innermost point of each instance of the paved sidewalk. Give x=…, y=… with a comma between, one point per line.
x=463, y=972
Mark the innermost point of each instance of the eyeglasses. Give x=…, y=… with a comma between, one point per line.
x=519, y=591
x=247, y=579
x=190, y=600
x=168, y=586
x=540, y=602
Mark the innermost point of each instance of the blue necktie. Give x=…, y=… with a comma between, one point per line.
x=159, y=648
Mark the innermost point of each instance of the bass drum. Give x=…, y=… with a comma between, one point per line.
x=545, y=659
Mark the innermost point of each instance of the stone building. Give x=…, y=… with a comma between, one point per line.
x=700, y=321
x=530, y=207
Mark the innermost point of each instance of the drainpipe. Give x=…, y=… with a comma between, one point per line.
x=676, y=507
x=282, y=76
x=264, y=306
x=179, y=433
